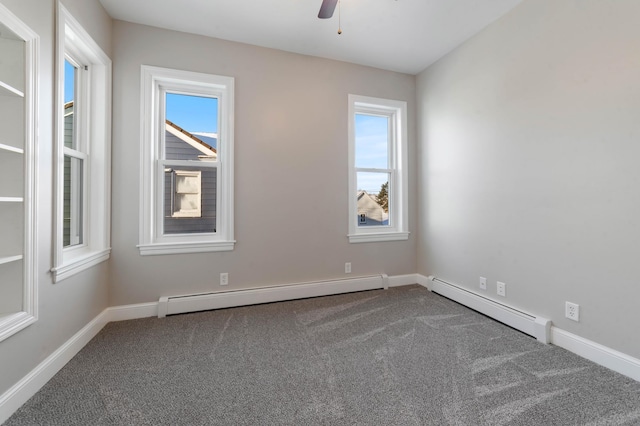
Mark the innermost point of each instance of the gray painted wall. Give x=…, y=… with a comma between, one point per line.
x=529, y=164
x=64, y=308
x=290, y=167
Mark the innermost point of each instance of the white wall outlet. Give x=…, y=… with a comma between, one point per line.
x=502, y=289
x=347, y=268
x=483, y=283
x=224, y=278
x=572, y=311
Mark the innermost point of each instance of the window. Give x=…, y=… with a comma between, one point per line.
x=82, y=150
x=377, y=170
x=186, y=162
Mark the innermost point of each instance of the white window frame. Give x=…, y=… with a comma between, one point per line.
x=93, y=129
x=396, y=111
x=155, y=83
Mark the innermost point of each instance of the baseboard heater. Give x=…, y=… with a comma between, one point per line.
x=533, y=325
x=169, y=305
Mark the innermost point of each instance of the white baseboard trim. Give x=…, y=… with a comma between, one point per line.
x=602, y=355
x=19, y=393
x=129, y=312
x=400, y=280
x=423, y=281
x=530, y=324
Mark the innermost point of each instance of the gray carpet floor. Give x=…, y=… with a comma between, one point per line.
x=402, y=356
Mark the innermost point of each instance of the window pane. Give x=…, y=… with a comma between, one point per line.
x=373, y=199
x=189, y=200
x=372, y=141
x=72, y=202
x=70, y=73
x=191, y=127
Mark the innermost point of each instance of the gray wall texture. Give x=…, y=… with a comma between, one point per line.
x=529, y=164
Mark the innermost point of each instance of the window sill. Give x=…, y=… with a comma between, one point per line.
x=378, y=237
x=79, y=264
x=181, y=248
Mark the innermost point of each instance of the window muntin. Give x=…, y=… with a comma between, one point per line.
x=188, y=129
x=377, y=176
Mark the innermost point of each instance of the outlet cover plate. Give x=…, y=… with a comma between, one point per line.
x=483, y=283
x=572, y=311
x=502, y=289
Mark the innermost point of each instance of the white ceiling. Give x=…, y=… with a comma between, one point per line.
x=397, y=35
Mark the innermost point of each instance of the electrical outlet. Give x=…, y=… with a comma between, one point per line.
x=502, y=289
x=347, y=268
x=483, y=283
x=224, y=278
x=572, y=311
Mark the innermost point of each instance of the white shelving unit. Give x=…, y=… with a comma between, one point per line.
x=18, y=86
x=11, y=172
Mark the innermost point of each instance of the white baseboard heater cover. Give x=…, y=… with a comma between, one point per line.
x=169, y=305
x=535, y=326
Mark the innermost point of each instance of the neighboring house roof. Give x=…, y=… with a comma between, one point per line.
x=208, y=138
x=190, y=139
x=365, y=196
x=368, y=204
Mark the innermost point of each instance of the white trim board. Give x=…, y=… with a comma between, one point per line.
x=601, y=355
x=20, y=393
x=400, y=280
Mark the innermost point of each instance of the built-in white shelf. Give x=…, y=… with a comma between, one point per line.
x=9, y=259
x=8, y=90
x=19, y=111
x=10, y=148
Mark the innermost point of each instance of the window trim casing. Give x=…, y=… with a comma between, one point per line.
x=96, y=129
x=154, y=82
x=398, y=198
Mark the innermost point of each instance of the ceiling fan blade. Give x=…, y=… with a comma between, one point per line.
x=327, y=8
